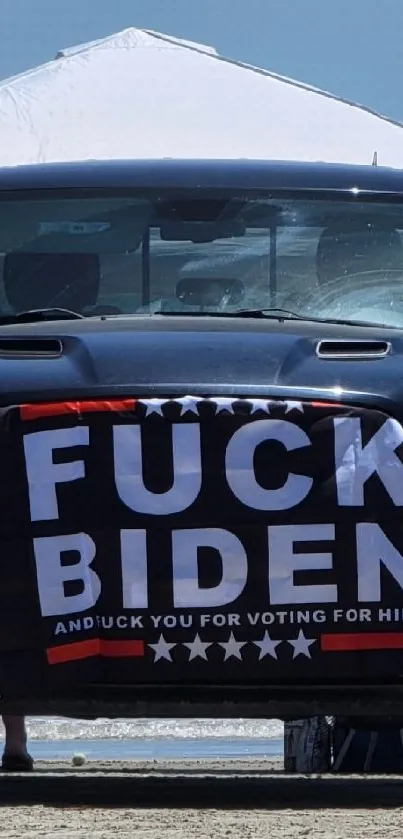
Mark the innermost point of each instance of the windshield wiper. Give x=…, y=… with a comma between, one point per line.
x=270, y=312
x=237, y=313
x=276, y=314
x=36, y=315
x=286, y=314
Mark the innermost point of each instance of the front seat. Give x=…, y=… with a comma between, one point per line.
x=40, y=280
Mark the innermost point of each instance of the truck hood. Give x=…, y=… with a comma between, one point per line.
x=160, y=355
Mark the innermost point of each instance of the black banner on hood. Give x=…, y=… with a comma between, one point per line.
x=200, y=539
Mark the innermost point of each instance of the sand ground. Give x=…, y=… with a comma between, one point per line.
x=200, y=799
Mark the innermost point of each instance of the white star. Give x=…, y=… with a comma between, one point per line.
x=294, y=406
x=301, y=645
x=198, y=648
x=267, y=646
x=188, y=403
x=223, y=403
x=259, y=405
x=154, y=406
x=232, y=647
x=162, y=649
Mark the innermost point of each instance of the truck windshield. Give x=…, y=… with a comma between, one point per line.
x=115, y=253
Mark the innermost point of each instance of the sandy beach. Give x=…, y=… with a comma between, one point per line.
x=196, y=799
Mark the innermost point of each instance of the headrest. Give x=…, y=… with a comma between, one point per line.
x=209, y=291
x=357, y=247
x=40, y=280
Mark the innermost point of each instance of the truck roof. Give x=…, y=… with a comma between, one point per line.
x=214, y=174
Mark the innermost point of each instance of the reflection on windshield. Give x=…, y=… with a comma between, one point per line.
x=372, y=296
x=118, y=255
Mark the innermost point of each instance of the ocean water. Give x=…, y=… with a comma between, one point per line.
x=103, y=739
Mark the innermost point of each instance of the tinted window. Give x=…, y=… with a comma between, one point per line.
x=125, y=254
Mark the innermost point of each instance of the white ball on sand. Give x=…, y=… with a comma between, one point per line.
x=78, y=759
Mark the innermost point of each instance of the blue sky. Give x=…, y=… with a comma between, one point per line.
x=353, y=48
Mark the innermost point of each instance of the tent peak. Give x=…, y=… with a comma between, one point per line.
x=142, y=94
x=138, y=39
x=132, y=38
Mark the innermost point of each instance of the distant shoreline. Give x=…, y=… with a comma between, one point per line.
x=157, y=748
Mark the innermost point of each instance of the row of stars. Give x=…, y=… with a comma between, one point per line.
x=233, y=648
x=190, y=404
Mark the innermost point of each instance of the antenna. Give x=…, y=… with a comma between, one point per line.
x=375, y=159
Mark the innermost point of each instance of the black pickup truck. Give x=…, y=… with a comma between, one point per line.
x=201, y=439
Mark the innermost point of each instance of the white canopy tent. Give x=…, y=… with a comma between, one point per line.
x=140, y=94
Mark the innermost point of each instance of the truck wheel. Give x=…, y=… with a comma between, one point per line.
x=307, y=745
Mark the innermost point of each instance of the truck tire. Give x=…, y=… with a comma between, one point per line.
x=307, y=745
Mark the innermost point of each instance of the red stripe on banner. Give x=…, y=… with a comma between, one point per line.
x=93, y=647
x=361, y=641
x=326, y=405
x=52, y=409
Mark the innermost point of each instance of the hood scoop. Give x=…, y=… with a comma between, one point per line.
x=30, y=347
x=359, y=349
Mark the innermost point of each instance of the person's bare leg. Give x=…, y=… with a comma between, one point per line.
x=15, y=736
